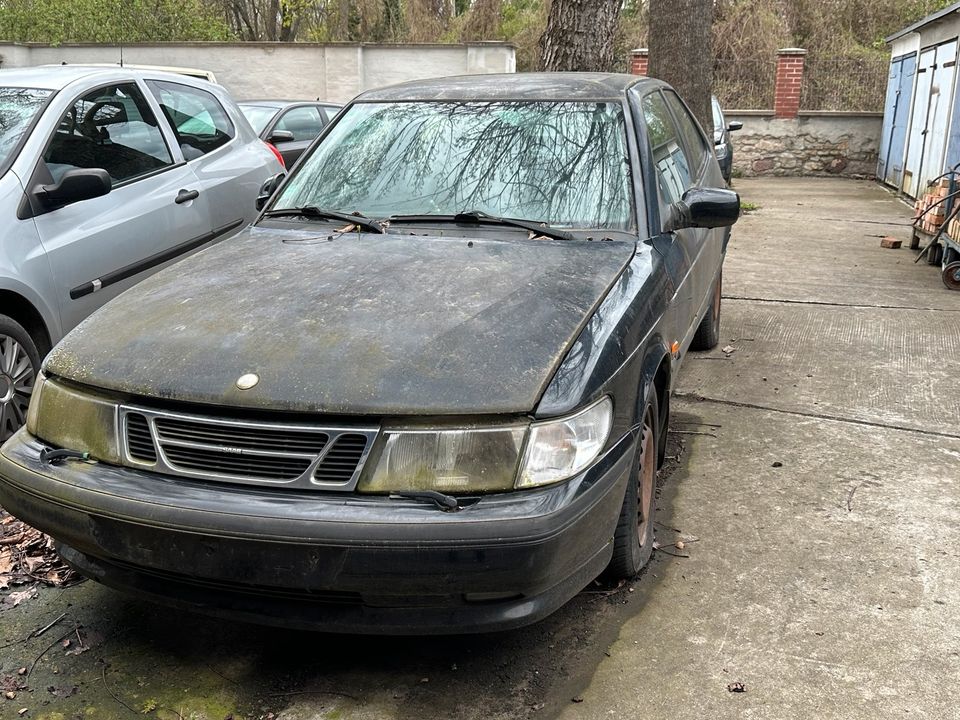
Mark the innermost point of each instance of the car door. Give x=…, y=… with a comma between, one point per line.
x=230, y=165
x=304, y=123
x=705, y=245
x=99, y=247
x=672, y=177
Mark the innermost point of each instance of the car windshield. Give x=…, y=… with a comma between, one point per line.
x=563, y=163
x=258, y=115
x=18, y=107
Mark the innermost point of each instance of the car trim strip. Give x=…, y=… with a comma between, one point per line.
x=150, y=262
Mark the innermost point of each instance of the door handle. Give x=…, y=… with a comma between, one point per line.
x=186, y=196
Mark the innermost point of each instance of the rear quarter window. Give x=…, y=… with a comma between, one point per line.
x=199, y=121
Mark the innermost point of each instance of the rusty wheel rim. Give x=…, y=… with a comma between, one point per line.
x=646, y=477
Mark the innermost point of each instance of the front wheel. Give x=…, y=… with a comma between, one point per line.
x=951, y=275
x=708, y=332
x=633, y=538
x=19, y=364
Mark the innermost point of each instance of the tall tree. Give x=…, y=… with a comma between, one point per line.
x=580, y=35
x=681, y=51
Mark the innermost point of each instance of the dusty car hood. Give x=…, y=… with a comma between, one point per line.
x=360, y=324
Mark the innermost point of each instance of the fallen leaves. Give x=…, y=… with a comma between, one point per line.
x=15, y=598
x=27, y=557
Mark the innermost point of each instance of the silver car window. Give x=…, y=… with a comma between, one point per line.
x=198, y=119
x=18, y=107
x=111, y=128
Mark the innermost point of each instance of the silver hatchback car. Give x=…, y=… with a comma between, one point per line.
x=107, y=175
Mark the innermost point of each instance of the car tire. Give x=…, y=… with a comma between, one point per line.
x=19, y=365
x=633, y=537
x=708, y=332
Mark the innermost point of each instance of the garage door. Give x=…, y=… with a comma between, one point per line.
x=933, y=100
x=896, y=115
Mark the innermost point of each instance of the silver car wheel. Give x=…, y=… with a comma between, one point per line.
x=17, y=376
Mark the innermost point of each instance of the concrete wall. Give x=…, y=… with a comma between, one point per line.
x=815, y=143
x=335, y=72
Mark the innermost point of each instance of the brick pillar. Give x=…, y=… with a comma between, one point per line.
x=639, y=61
x=786, y=103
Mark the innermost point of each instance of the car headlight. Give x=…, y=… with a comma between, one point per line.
x=559, y=449
x=67, y=418
x=488, y=459
x=454, y=461
x=722, y=149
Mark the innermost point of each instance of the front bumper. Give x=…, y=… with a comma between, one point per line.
x=324, y=561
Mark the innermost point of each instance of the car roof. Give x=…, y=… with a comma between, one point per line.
x=277, y=104
x=57, y=77
x=512, y=86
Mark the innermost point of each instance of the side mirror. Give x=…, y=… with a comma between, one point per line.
x=268, y=188
x=76, y=185
x=280, y=136
x=705, y=208
x=734, y=126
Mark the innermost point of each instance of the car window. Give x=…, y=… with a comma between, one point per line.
x=304, y=122
x=718, y=123
x=111, y=128
x=673, y=171
x=696, y=147
x=259, y=116
x=18, y=108
x=198, y=119
x=560, y=162
x=330, y=111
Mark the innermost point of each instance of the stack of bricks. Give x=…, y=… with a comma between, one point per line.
x=953, y=230
x=931, y=221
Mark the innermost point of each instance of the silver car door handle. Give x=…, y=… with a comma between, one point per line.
x=186, y=196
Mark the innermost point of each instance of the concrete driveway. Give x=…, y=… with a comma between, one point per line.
x=814, y=482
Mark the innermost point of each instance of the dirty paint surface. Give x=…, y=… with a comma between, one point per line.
x=348, y=323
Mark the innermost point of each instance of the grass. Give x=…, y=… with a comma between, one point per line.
x=748, y=207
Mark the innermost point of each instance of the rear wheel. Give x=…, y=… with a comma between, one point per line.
x=633, y=538
x=708, y=332
x=19, y=365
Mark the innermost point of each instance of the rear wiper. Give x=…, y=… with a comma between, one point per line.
x=477, y=217
x=312, y=211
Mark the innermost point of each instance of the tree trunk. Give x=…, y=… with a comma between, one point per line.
x=580, y=36
x=681, y=51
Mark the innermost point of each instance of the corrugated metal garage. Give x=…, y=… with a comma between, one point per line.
x=921, y=126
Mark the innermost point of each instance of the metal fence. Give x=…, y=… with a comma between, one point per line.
x=844, y=83
x=745, y=84
x=829, y=83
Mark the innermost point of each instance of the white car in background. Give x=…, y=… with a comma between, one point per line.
x=107, y=175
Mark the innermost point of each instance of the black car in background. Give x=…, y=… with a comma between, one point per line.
x=721, y=139
x=426, y=391
x=288, y=125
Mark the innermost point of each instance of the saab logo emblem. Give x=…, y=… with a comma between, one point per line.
x=245, y=382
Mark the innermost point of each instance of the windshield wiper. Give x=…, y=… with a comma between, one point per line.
x=312, y=211
x=477, y=217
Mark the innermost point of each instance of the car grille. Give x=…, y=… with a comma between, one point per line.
x=209, y=448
